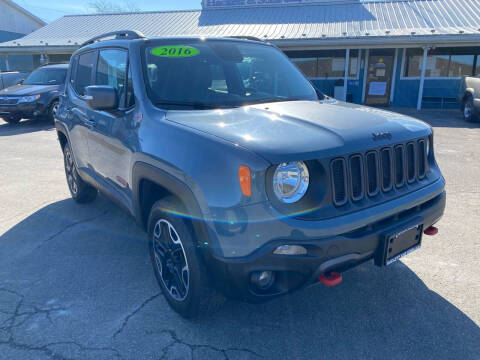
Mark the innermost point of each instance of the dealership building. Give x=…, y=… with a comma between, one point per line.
x=403, y=53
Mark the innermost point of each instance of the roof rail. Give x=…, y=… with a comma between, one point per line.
x=253, y=38
x=120, y=34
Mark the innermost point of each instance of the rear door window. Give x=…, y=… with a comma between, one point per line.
x=83, y=77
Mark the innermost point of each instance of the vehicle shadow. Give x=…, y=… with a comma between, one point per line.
x=69, y=251
x=24, y=127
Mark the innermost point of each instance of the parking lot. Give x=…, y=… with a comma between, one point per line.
x=76, y=281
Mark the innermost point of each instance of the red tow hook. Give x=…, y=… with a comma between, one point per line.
x=432, y=230
x=332, y=279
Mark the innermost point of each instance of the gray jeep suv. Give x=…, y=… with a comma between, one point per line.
x=246, y=179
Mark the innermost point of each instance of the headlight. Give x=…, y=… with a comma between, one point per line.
x=27, y=99
x=290, y=181
x=427, y=144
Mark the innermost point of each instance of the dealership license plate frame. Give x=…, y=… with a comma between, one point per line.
x=398, y=244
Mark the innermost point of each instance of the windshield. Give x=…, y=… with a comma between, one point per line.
x=46, y=77
x=217, y=73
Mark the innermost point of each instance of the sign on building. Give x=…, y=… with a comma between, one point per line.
x=239, y=3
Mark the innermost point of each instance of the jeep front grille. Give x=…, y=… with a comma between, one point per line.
x=411, y=167
x=372, y=173
x=422, y=159
x=356, y=171
x=399, y=166
x=339, y=181
x=357, y=176
x=387, y=169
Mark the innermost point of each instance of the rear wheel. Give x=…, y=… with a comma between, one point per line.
x=177, y=265
x=12, y=119
x=81, y=191
x=468, y=109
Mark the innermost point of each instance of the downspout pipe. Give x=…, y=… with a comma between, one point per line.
x=345, y=78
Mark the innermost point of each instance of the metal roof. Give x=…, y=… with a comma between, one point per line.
x=356, y=22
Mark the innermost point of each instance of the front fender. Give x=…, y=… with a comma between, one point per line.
x=143, y=171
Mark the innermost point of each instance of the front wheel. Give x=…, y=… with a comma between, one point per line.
x=81, y=191
x=52, y=111
x=177, y=265
x=468, y=109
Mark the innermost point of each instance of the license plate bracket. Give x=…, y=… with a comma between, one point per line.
x=398, y=244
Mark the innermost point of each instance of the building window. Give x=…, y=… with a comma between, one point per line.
x=331, y=67
x=461, y=65
x=307, y=65
x=441, y=62
x=58, y=58
x=325, y=64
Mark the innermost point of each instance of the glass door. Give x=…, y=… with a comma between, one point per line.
x=379, y=79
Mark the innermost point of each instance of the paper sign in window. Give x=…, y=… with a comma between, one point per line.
x=353, y=66
x=377, y=88
x=338, y=64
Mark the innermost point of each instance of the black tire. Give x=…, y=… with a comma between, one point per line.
x=52, y=111
x=81, y=191
x=190, y=294
x=468, y=109
x=13, y=119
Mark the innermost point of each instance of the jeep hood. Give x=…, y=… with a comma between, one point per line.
x=303, y=130
x=25, y=90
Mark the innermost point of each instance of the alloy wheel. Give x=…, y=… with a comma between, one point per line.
x=467, y=111
x=71, y=172
x=54, y=109
x=171, y=260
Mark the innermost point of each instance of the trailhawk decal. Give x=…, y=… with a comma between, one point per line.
x=175, y=51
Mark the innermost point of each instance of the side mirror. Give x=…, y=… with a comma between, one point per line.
x=101, y=97
x=20, y=82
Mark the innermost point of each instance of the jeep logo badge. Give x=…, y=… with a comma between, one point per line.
x=386, y=135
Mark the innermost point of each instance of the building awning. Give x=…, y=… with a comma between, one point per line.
x=353, y=24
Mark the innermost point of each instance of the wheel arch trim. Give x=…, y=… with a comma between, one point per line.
x=143, y=171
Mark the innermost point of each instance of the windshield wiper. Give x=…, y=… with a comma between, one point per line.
x=193, y=104
x=272, y=100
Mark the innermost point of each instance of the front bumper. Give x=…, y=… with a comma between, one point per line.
x=325, y=254
x=25, y=110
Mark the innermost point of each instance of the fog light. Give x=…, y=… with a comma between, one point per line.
x=290, y=250
x=263, y=279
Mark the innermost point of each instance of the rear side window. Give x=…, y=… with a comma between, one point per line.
x=83, y=77
x=112, y=71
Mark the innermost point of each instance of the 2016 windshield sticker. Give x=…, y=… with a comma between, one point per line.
x=175, y=51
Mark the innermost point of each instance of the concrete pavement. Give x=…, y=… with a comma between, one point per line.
x=76, y=281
